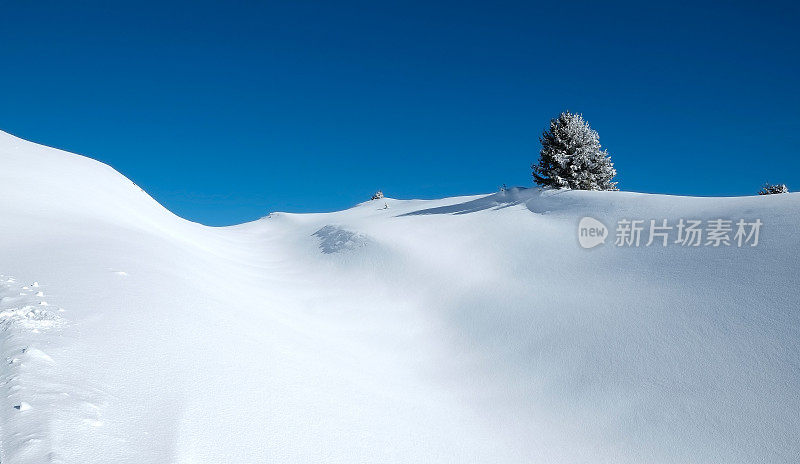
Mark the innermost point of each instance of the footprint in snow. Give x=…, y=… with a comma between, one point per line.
x=36, y=353
x=22, y=406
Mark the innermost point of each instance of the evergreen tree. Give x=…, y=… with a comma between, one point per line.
x=771, y=189
x=571, y=157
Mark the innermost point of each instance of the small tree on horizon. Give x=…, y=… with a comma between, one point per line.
x=571, y=157
x=772, y=189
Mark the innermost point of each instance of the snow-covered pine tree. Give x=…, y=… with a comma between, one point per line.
x=771, y=189
x=571, y=157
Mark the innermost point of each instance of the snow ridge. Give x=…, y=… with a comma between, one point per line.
x=465, y=329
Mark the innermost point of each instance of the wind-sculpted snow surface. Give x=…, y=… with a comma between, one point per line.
x=470, y=329
x=334, y=239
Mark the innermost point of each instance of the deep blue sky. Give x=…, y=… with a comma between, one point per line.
x=225, y=111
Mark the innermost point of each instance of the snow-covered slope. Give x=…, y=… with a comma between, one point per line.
x=471, y=329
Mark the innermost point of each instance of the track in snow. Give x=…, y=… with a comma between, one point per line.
x=29, y=376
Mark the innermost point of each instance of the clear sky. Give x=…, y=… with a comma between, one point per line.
x=227, y=110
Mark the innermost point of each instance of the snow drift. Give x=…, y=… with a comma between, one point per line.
x=469, y=329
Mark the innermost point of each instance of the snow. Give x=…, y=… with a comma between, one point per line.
x=467, y=329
